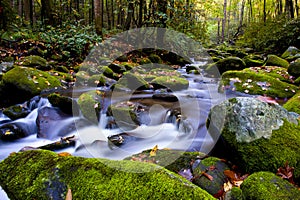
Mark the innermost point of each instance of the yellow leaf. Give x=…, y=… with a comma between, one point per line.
x=153, y=151
x=8, y=132
x=63, y=154
x=227, y=186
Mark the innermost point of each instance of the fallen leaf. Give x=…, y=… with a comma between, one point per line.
x=207, y=176
x=153, y=151
x=63, y=154
x=227, y=186
x=286, y=172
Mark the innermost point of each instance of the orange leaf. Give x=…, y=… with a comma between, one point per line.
x=63, y=154
x=69, y=194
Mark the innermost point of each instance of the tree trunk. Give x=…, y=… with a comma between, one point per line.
x=141, y=6
x=108, y=15
x=264, y=13
x=130, y=13
x=224, y=19
x=27, y=8
x=98, y=8
x=47, y=12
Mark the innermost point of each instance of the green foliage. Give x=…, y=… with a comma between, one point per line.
x=274, y=35
x=69, y=40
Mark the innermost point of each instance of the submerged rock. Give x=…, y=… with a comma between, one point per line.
x=16, y=111
x=291, y=53
x=52, y=122
x=43, y=174
x=256, y=135
x=266, y=185
x=16, y=130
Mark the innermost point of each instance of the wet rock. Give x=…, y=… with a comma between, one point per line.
x=61, y=68
x=237, y=52
x=253, y=61
x=226, y=64
x=234, y=194
x=293, y=103
x=66, y=104
x=213, y=179
x=52, y=122
x=125, y=115
x=165, y=97
x=30, y=175
x=132, y=81
x=255, y=82
x=173, y=160
x=90, y=105
x=155, y=58
x=119, y=69
x=21, y=84
x=173, y=83
x=257, y=135
x=274, y=60
x=291, y=53
x=16, y=130
x=36, y=62
x=294, y=69
x=266, y=185
x=16, y=111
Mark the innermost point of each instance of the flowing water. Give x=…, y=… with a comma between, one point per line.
x=160, y=126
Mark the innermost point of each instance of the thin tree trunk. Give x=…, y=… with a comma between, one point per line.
x=264, y=12
x=224, y=19
x=140, y=17
x=27, y=10
x=108, y=15
x=130, y=13
x=112, y=14
x=98, y=8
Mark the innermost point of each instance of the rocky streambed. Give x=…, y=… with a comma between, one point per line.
x=185, y=131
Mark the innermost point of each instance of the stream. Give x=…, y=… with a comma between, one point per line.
x=159, y=125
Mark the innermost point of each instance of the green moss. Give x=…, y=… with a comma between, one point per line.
x=22, y=83
x=274, y=60
x=230, y=63
x=256, y=83
x=129, y=65
x=34, y=61
x=267, y=154
x=155, y=58
x=144, y=61
x=210, y=161
x=90, y=106
x=132, y=81
x=292, y=104
x=124, y=115
x=26, y=176
x=173, y=82
x=279, y=73
x=268, y=186
x=96, y=80
x=16, y=111
x=62, y=102
x=173, y=160
x=294, y=69
x=235, y=194
x=252, y=62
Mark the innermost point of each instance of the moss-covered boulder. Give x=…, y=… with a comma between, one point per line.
x=268, y=186
x=256, y=135
x=41, y=174
x=16, y=111
x=155, y=58
x=125, y=115
x=278, y=73
x=294, y=69
x=274, y=60
x=174, y=83
x=90, y=105
x=234, y=194
x=132, y=81
x=214, y=178
x=173, y=160
x=36, y=62
x=290, y=53
x=119, y=69
x=66, y=104
x=253, y=61
x=223, y=65
x=293, y=104
x=250, y=82
x=22, y=83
